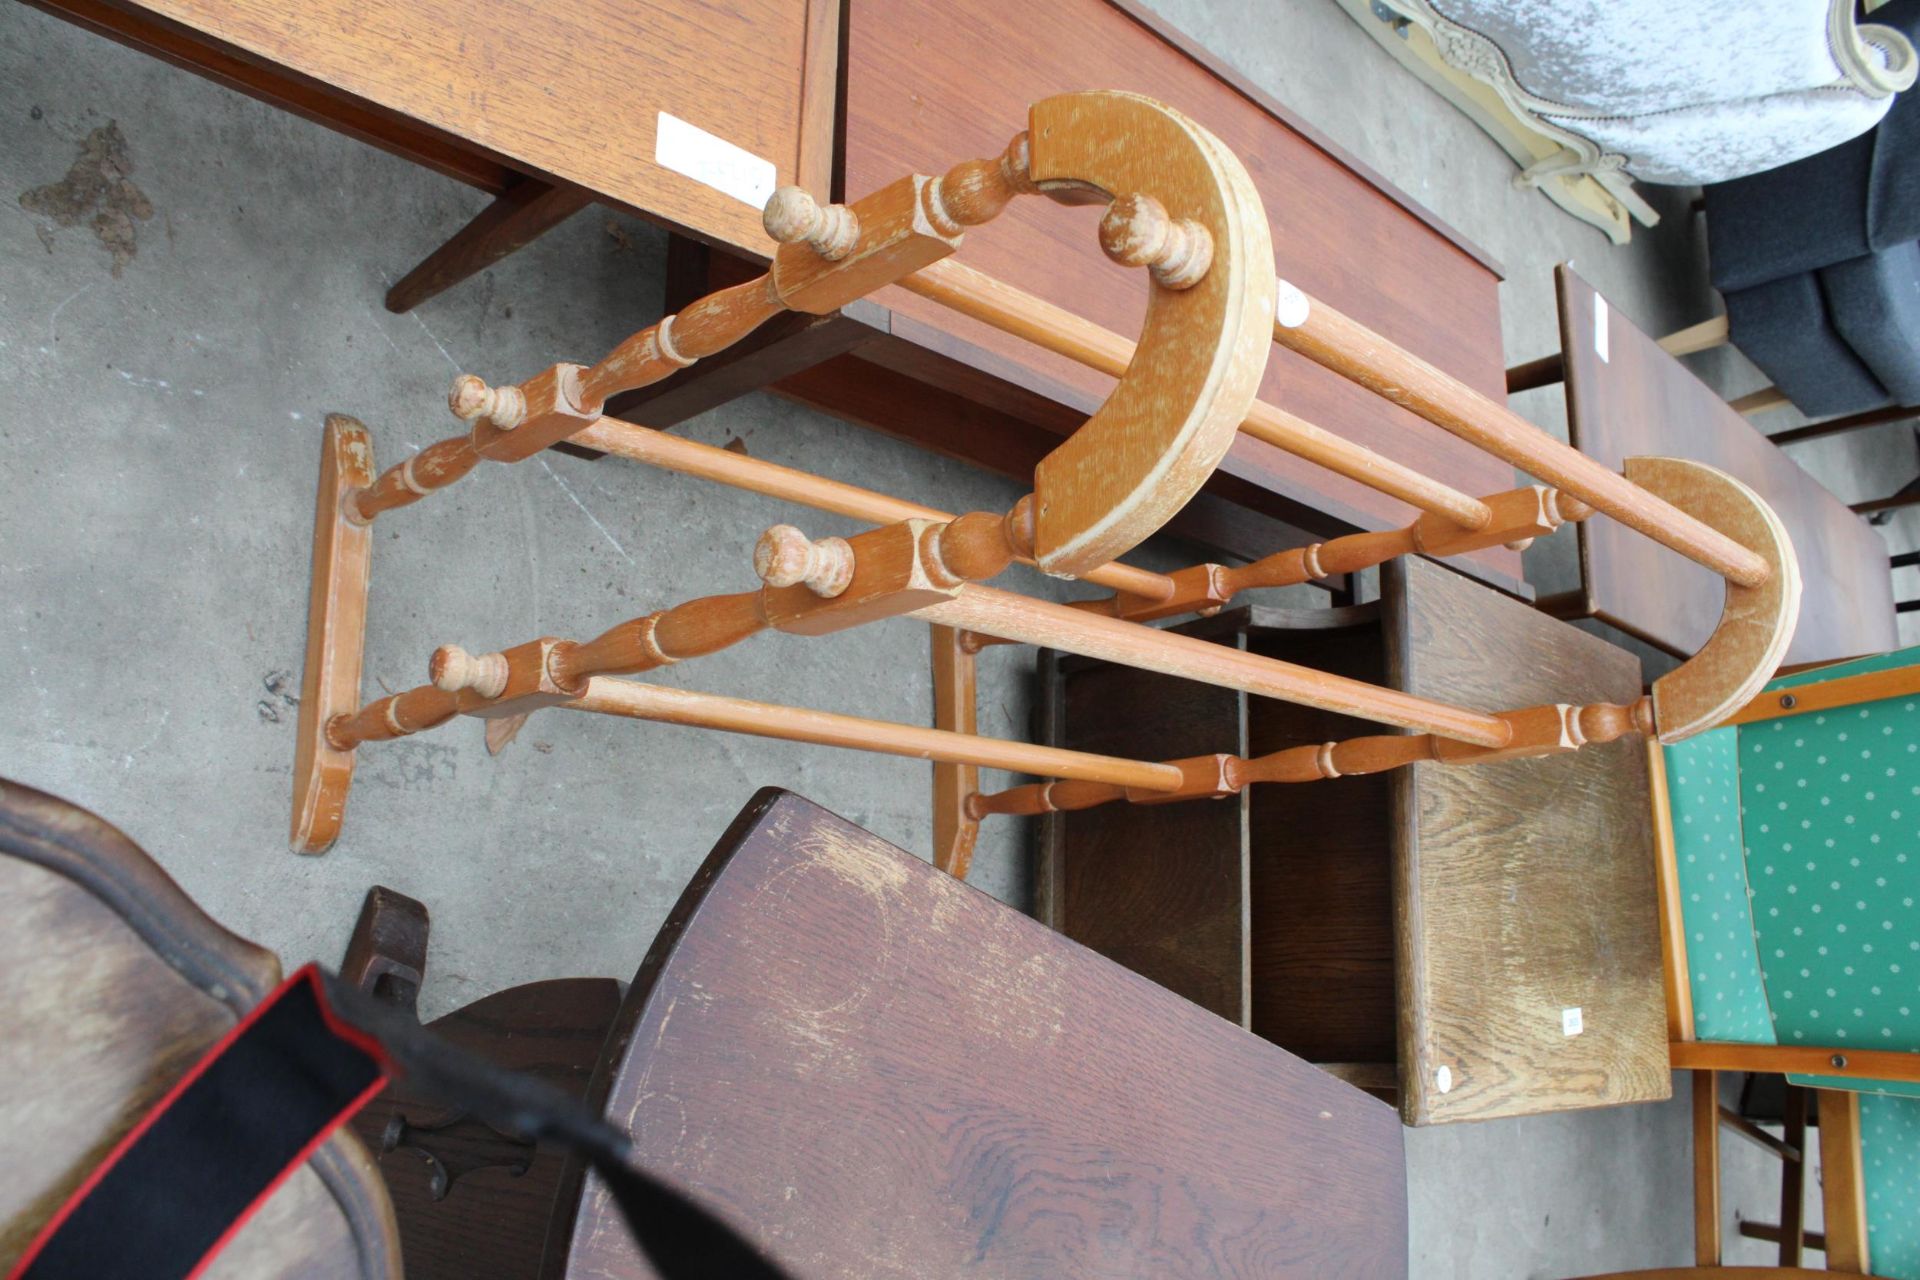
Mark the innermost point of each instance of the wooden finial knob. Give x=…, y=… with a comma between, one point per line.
x=784, y=556
x=454, y=669
x=471, y=400
x=1137, y=232
x=792, y=216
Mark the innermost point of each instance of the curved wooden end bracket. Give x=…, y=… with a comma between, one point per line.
x=1203, y=349
x=1756, y=623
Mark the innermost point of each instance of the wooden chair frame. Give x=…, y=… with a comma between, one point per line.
x=1845, y=1239
x=1180, y=205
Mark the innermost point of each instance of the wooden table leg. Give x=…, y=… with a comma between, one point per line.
x=955, y=707
x=1793, y=1180
x=522, y=214
x=336, y=634
x=1706, y=1168
x=1843, y=1181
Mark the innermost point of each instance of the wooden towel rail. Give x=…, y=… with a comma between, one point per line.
x=1180, y=209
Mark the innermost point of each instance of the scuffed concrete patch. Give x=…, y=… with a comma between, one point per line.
x=97, y=181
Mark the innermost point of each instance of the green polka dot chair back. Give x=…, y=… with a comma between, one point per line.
x=1797, y=847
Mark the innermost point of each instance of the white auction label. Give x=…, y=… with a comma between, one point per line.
x=1572, y=1023
x=1290, y=306
x=1600, y=329
x=689, y=149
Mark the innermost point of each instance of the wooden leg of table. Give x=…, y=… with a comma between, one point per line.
x=336, y=632
x=1793, y=1181
x=1907, y=496
x=955, y=708
x=1843, y=1181
x=387, y=954
x=1760, y=401
x=1706, y=1168
x=1697, y=337
x=782, y=347
x=1566, y=605
x=525, y=212
x=1543, y=372
x=1852, y=422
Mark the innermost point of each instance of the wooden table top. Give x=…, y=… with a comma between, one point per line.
x=929, y=82
x=1529, y=954
x=1639, y=401
x=877, y=1071
x=568, y=92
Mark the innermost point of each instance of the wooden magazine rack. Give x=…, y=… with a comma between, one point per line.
x=1180, y=206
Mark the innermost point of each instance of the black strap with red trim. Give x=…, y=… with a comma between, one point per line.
x=184, y=1181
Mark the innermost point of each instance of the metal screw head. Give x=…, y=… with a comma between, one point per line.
x=1788, y=700
x=1838, y=1060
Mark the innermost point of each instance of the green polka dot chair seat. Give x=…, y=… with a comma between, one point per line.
x=1797, y=847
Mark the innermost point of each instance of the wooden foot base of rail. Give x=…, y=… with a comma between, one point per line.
x=955, y=707
x=336, y=634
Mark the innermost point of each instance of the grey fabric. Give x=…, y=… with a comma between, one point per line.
x=1783, y=327
x=1679, y=90
x=1875, y=305
x=1893, y=199
x=1642, y=57
x=1790, y=220
x=1845, y=202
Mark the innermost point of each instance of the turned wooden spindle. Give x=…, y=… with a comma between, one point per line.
x=794, y=217
x=1375, y=753
x=689, y=630
x=1516, y=514
x=975, y=191
x=1606, y=721
x=434, y=467
x=980, y=545
x=701, y=328
x=453, y=669
x=394, y=716
x=1137, y=231
x=1596, y=723
x=785, y=557
x=1036, y=798
x=471, y=400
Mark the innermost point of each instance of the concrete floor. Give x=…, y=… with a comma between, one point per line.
x=160, y=424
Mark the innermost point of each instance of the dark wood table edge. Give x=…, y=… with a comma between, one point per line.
x=1582, y=602
x=1403, y=813
x=633, y=1006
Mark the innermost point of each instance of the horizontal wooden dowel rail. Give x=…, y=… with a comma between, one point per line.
x=611, y=696
x=1807, y=1060
x=690, y=457
x=1016, y=312
x=1349, y=348
x=1547, y=730
x=1059, y=626
x=1519, y=516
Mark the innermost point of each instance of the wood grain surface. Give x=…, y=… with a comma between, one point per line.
x=567, y=92
x=877, y=1071
x=1179, y=918
x=1642, y=401
x=1433, y=915
x=1323, y=950
x=490, y=1219
x=1334, y=231
x=1524, y=888
x=117, y=983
